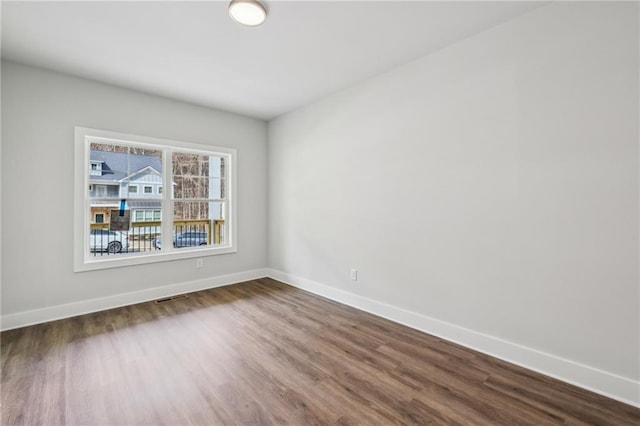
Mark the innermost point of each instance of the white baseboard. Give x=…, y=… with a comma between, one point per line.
x=599, y=381
x=602, y=382
x=37, y=316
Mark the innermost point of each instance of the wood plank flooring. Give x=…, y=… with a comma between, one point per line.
x=265, y=353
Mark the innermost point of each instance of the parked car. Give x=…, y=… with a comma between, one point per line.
x=108, y=241
x=185, y=239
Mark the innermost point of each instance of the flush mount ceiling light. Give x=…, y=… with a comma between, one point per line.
x=247, y=12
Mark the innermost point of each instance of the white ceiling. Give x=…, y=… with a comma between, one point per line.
x=192, y=51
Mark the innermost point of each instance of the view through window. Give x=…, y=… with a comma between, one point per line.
x=128, y=213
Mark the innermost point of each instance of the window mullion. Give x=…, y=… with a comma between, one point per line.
x=167, y=201
x=87, y=205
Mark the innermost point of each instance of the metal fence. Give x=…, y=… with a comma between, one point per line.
x=147, y=236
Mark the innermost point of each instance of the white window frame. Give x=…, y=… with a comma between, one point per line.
x=84, y=261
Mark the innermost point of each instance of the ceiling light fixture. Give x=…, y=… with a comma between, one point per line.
x=247, y=12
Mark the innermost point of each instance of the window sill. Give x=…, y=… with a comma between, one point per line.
x=145, y=258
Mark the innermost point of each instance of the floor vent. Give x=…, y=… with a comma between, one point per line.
x=171, y=299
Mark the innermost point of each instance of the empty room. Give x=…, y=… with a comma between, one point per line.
x=256, y=212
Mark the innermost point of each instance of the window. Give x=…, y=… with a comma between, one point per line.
x=95, y=168
x=147, y=215
x=196, y=218
x=100, y=191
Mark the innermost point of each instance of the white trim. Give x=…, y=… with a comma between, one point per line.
x=608, y=384
x=128, y=178
x=130, y=259
x=105, y=182
x=37, y=316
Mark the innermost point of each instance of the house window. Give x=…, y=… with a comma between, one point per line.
x=95, y=168
x=100, y=191
x=148, y=215
x=196, y=219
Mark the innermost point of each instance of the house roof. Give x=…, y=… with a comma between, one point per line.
x=119, y=165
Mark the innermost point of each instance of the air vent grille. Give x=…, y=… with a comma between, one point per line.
x=171, y=299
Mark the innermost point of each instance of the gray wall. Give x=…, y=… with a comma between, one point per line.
x=492, y=185
x=40, y=109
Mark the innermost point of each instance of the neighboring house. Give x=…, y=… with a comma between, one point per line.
x=115, y=176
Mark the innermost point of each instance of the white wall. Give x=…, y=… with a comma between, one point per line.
x=40, y=109
x=489, y=189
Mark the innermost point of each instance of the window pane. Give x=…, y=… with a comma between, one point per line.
x=122, y=172
x=122, y=169
x=198, y=210
x=191, y=210
x=121, y=162
x=201, y=217
x=197, y=176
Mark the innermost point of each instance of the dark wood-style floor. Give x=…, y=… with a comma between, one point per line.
x=262, y=352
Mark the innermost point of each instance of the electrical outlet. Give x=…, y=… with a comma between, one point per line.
x=354, y=274
x=199, y=263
